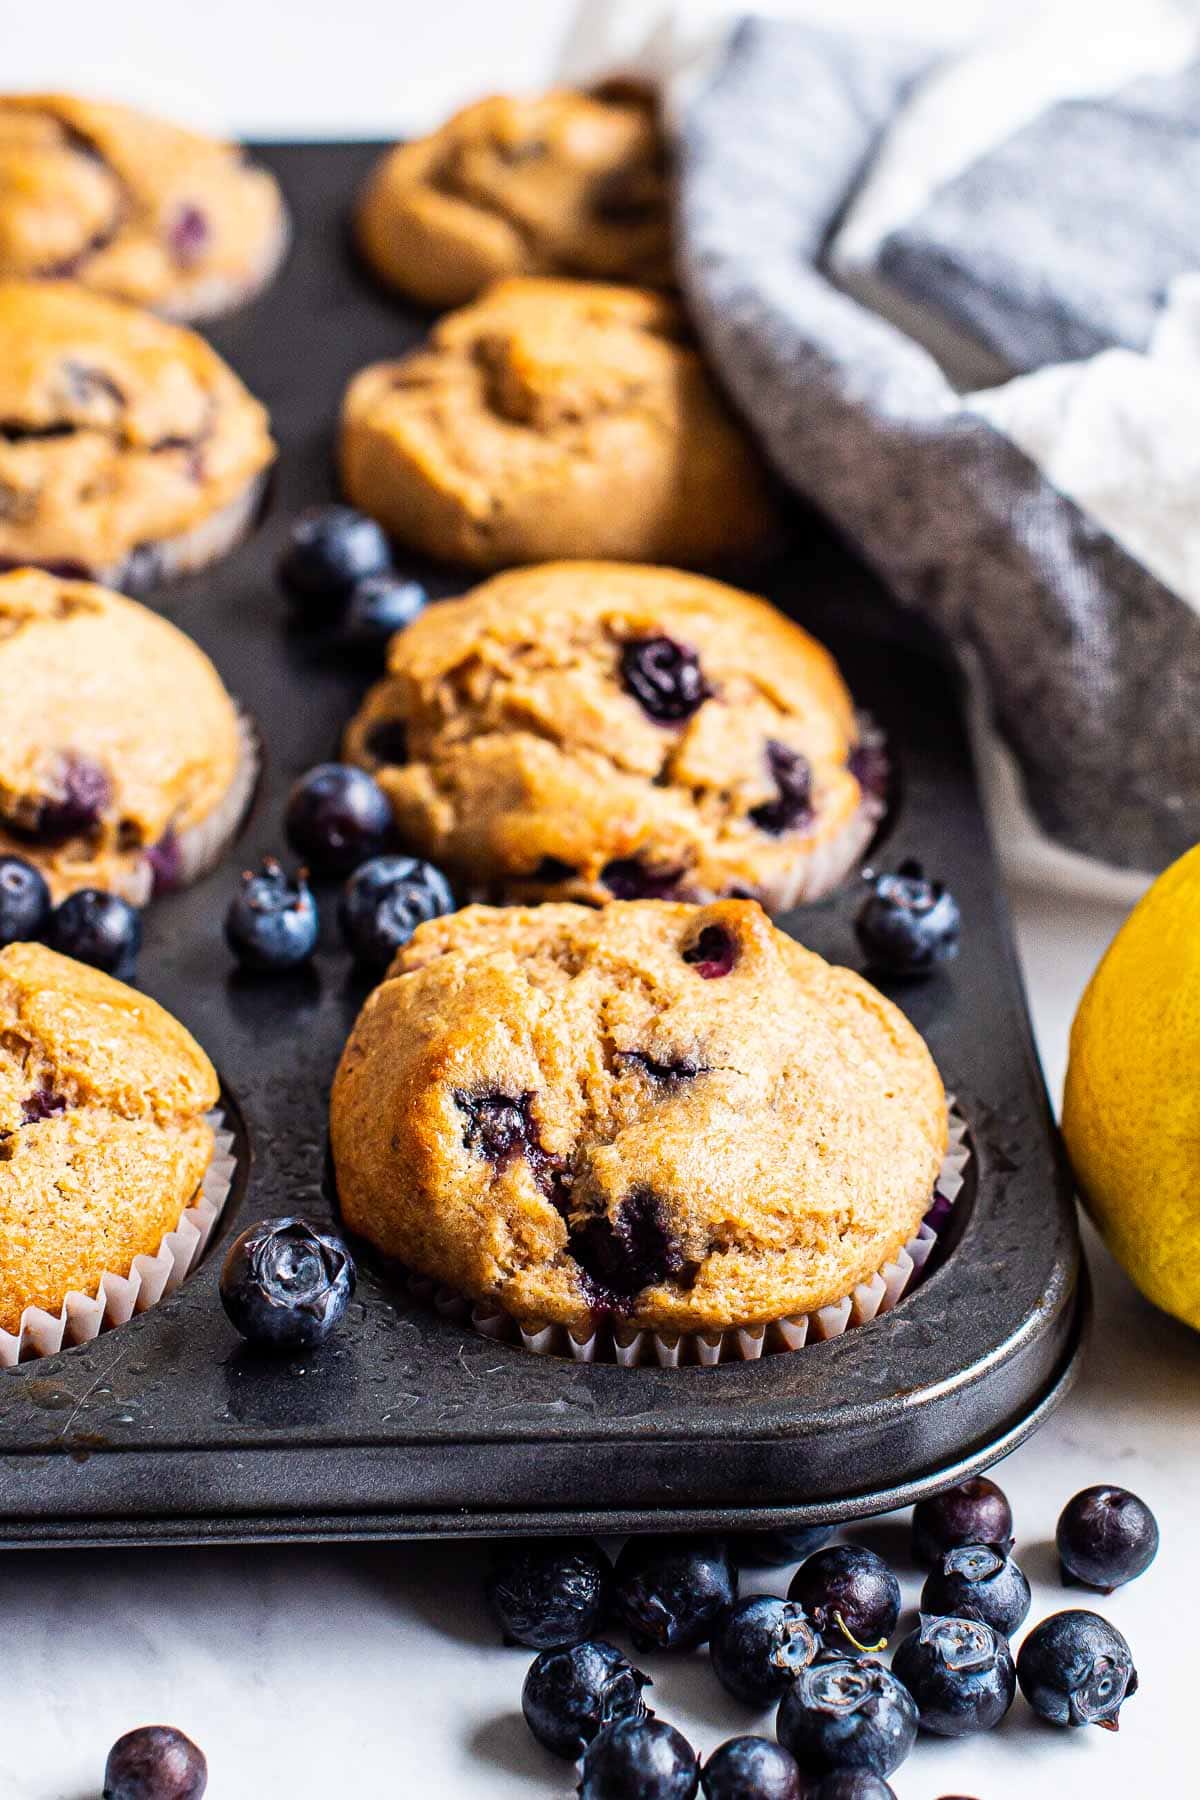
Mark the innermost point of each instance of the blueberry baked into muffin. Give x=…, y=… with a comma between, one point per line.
x=554, y=418
x=130, y=452
x=591, y=731
x=123, y=762
x=564, y=183
x=670, y=1114
x=133, y=207
x=103, y=1135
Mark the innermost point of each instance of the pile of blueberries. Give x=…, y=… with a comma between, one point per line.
x=90, y=925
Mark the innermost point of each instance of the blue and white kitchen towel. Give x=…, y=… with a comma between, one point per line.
x=958, y=298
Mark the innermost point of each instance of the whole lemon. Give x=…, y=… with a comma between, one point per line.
x=1131, y=1110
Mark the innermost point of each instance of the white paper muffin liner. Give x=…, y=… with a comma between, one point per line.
x=117, y=1298
x=148, y=566
x=628, y=1346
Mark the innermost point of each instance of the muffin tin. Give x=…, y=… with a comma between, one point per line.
x=406, y=1423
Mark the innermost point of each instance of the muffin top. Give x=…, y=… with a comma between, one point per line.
x=673, y=1115
x=117, y=730
x=103, y=1139
x=591, y=730
x=563, y=183
x=554, y=418
x=120, y=431
x=132, y=206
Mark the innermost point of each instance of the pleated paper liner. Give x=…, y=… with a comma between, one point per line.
x=149, y=1279
x=628, y=1346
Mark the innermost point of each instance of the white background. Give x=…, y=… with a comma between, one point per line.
x=307, y=1674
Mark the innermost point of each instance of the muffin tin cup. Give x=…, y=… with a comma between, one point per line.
x=149, y=1279
x=629, y=1346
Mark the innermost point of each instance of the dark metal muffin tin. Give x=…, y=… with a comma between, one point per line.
x=168, y=1430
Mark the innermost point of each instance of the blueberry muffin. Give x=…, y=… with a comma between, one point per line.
x=590, y=731
x=133, y=207
x=554, y=418
x=565, y=183
x=670, y=1114
x=122, y=758
x=103, y=1135
x=130, y=452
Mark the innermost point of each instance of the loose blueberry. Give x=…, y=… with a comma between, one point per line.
x=378, y=608
x=1076, y=1669
x=664, y=678
x=959, y=1672
x=24, y=901
x=97, y=928
x=639, y=1759
x=549, y=1591
x=907, y=925
x=272, y=922
x=383, y=903
x=713, y=954
x=851, y=1784
x=850, y=1595
x=286, y=1285
x=974, y=1512
x=670, y=1591
x=751, y=1768
x=792, y=806
x=771, y=1549
x=329, y=550
x=573, y=1692
x=1106, y=1537
x=978, y=1581
x=77, y=808
x=337, y=817
x=156, y=1762
x=847, y=1712
x=758, y=1645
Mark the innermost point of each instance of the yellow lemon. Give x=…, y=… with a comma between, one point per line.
x=1131, y=1112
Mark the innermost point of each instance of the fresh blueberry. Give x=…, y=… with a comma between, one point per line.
x=639, y=1759
x=97, y=928
x=549, y=1591
x=771, y=1549
x=664, y=678
x=974, y=1512
x=1076, y=1669
x=155, y=1762
x=24, y=901
x=671, y=1590
x=383, y=903
x=329, y=550
x=978, y=1581
x=847, y=1712
x=757, y=1646
x=959, y=1672
x=851, y=1784
x=792, y=805
x=907, y=925
x=272, y=921
x=337, y=817
x=573, y=1692
x=751, y=1768
x=378, y=608
x=286, y=1285
x=850, y=1595
x=1106, y=1537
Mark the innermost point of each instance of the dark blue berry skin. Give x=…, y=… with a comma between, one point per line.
x=156, y=1762
x=639, y=1759
x=751, y=1768
x=1076, y=1669
x=771, y=1549
x=850, y=1595
x=383, y=903
x=377, y=609
x=328, y=551
x=978, y=1581
x=1106, y=1537
x=99, y=929
x=847, y=1712
x=337, y=817
x=851, y=1784
x=24, y=901
x=974, y=1512
x=757, y=1646
x=549, y=1591
x=959, y=1672
x=573, y=1692
x=907, y=925
x=272, y=921
x=285, y=1285
x=670, y=1591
